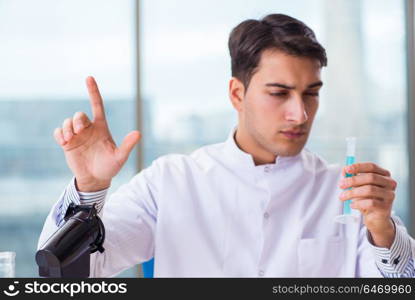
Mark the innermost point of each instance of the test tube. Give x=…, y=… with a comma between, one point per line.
x=347, y=216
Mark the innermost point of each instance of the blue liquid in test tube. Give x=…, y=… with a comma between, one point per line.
x=346, y=204
x=347, y=216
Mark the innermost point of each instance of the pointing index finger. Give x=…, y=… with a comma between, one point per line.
x=97, y=104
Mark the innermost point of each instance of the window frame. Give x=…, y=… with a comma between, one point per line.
x=410, y=59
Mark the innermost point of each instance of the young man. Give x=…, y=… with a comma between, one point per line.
x=258, y=204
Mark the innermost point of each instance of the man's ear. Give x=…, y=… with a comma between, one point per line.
x=236, y=93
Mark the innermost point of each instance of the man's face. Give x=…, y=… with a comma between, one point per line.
x=278, y=108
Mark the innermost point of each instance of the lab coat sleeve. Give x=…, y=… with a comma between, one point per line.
x=129, y=216
x=366, y=264
x=398, y=261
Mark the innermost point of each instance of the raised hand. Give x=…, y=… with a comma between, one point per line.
x=89, y=148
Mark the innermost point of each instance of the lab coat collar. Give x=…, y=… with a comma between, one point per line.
x=245, y=160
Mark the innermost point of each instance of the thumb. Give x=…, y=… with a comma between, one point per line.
x=127, y=145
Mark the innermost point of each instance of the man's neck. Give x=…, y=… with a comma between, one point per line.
x=248, y=145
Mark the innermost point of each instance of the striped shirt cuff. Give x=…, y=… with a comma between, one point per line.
x=72, y=195
x=396, y=260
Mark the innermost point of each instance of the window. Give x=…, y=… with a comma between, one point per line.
x=48, y=49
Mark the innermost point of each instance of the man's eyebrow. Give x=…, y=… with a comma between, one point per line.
x=284, y=86
x=288, y=87
x=315, y=84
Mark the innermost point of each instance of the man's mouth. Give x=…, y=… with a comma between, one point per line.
x=293, y=134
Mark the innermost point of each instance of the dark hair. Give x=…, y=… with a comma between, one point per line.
x=250, y=38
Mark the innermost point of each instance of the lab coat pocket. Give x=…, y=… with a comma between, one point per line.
x=321, y=257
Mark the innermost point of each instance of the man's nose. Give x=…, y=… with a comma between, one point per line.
x=295, y=111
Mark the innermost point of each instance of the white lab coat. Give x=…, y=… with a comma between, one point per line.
x=215, y=214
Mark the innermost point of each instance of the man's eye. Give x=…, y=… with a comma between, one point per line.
x=279, y=94
x=312, y=94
